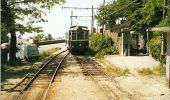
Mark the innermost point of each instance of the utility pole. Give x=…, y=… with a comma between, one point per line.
x=103, y=26
x=71, y=19
x=79, y=8
x=92, y=21
x=164, y=9
x=162, y=34
x=104, y=1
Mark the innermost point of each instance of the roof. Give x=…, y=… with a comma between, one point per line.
x=161, y=29
x=78, y=27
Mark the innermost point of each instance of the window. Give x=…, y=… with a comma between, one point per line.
x=86, y=34
x=80, y=35
x=73, y=35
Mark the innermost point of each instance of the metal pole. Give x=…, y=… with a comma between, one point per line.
x=103, y=26
x=104, y=1
x=92, y=23
x=71, y=18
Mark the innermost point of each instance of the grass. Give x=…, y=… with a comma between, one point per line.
x=157, y=71
x=145, y=71
x=20, y=69
x=116, y=71
x=48, y=53
x=14, y=72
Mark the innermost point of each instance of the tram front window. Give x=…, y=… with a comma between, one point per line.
x=86, y=34
x=80, y=35
x=74, y=35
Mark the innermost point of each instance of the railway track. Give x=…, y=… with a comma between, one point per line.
x=35, y=87
x=105, y=82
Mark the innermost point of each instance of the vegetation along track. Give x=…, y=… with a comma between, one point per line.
x=37, y=86
x=105, y=82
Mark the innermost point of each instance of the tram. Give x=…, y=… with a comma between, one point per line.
x=77, y=38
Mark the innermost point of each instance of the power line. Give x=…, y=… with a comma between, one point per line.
x=78, y=8
x=80, y=16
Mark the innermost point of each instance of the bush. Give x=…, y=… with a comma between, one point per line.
x=102, y=45
x=99, y=42
x=110, y=50
x=155, y=49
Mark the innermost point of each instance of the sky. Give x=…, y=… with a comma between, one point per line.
x=59, y=19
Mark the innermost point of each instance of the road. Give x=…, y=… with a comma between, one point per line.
x=44, y=48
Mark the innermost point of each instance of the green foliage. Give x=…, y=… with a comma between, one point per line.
x=42, y=37
x=21, y=15
x=164, y=22
x=30, y=12
x=99, y=42
x=39, y=37
x=138, y=15
x=102, y=45
x=155, y=47
x=109, y=50
x=135, y=14
x=49, y=37
x=155, y=51
x=4, y=38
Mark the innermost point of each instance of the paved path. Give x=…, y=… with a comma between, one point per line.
x=43, y=48
x=131, y=62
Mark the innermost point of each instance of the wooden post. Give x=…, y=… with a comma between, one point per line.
x=167, y=30
x=168, y=61
x=162, y=44
x=122, y=45
x=147, y=42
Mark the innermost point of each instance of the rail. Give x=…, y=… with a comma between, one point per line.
x=102, y=72
x=37, y=73
x=52, y=79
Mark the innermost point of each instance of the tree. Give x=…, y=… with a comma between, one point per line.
x=39, y=37
x=49, y=36
x=15, y=12
x=135, y=14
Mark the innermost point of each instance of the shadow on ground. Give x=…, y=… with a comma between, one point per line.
x=13, y=72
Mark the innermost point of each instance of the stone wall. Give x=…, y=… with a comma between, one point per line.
x=116, y=37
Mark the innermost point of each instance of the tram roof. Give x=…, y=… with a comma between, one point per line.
x=78, y=27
